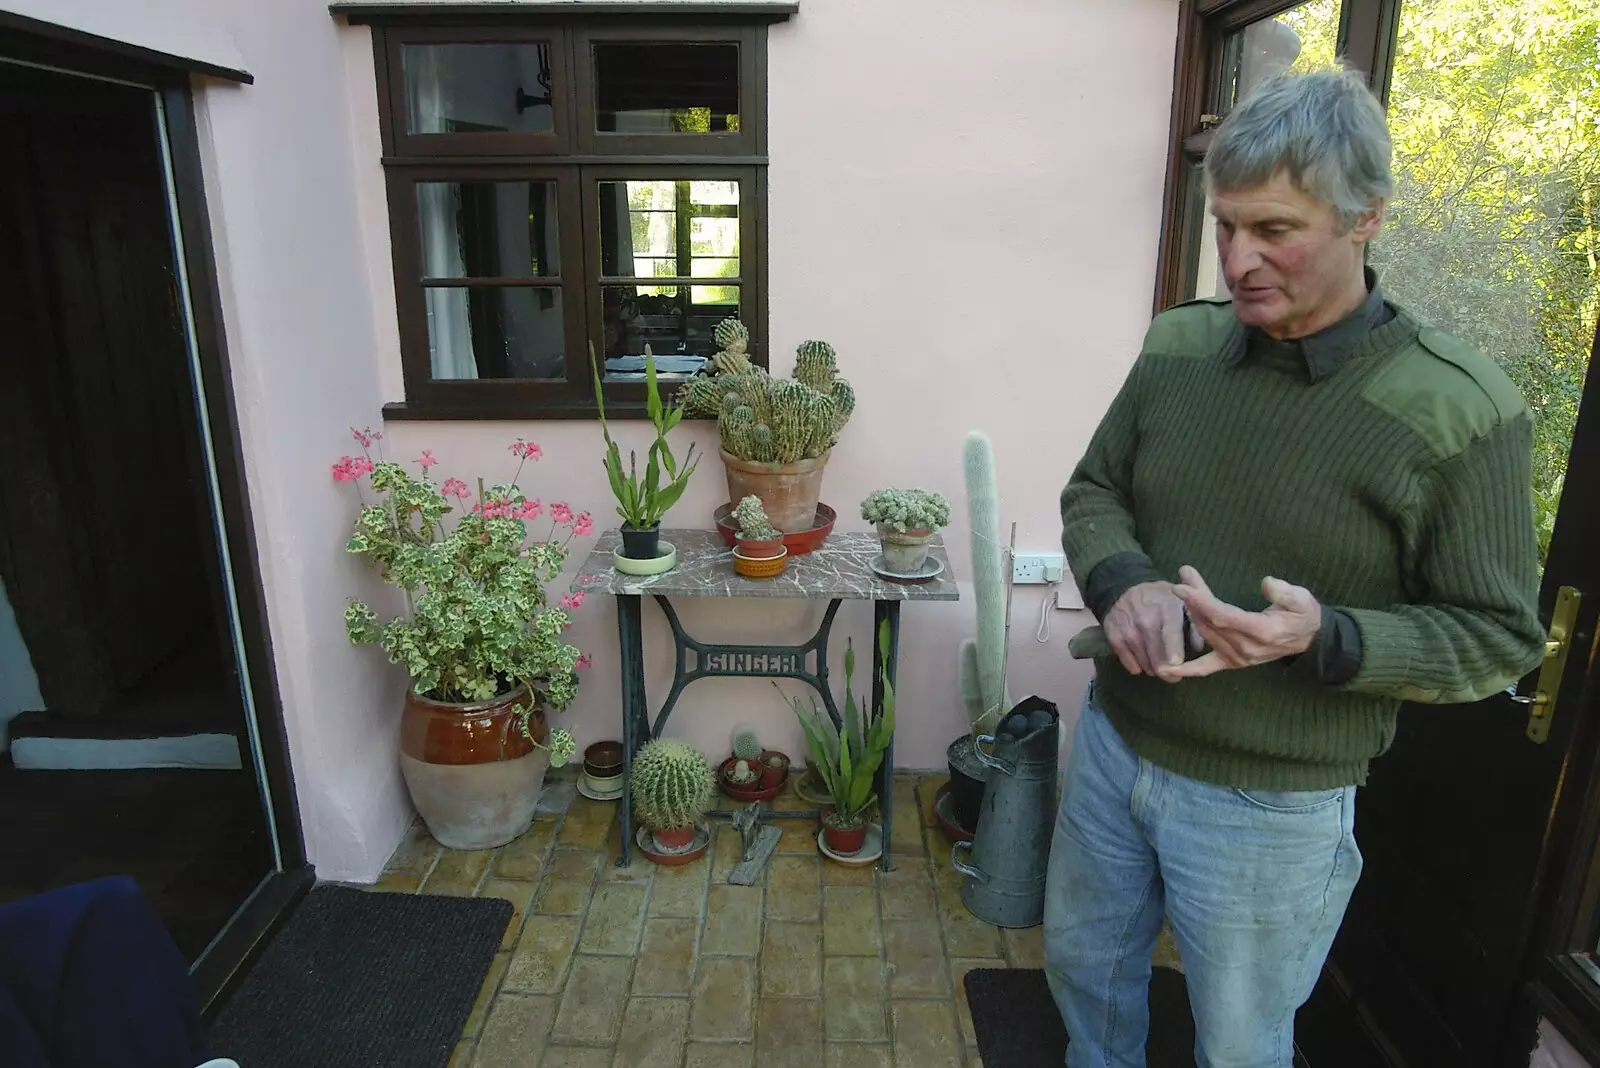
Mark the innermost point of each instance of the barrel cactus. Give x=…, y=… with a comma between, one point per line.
x=672, y=784
x=746, y=745
x=770, y=420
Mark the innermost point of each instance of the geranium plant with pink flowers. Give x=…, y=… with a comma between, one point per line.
x=480, y=623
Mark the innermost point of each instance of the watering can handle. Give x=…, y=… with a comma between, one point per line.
x=1005, y=766
x=966, y=869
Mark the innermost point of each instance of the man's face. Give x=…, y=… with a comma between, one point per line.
x=1290, y=270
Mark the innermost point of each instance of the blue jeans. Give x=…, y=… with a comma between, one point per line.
x=1254, y=882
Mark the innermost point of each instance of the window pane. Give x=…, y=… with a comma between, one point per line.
x=496, y=332
x=478, y=88
x=1492, y=230
x=669, y=229
x=675, y=321
x=1298, y=39
x=488, y=229
x=660, y=88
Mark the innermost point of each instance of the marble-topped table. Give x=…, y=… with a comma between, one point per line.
x=837, y=571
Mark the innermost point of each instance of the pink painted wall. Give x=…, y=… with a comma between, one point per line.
x=1554, y=1051
x=965, y=200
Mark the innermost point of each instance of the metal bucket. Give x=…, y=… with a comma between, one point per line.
x=1010, y=853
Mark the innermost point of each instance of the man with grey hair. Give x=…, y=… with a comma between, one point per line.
x=1303, y=507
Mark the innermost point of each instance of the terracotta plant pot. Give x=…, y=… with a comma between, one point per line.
x=675, y=838
x=788, y=492
x=760, y=550
x=773, y=776
x=846, y=843
x=904, y=553
x=473, y=776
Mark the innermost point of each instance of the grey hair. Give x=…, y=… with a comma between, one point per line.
x=1325, y=128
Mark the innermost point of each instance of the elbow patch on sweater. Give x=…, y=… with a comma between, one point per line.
x=1445, y=390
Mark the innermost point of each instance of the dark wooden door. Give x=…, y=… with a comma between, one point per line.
x=1454, y=822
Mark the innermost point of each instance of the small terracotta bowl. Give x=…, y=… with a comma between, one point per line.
x=603, y=760
x=761, y=568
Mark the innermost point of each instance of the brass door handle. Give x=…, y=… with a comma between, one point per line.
x=1541, y=704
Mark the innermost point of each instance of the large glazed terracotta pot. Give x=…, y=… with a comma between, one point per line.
x=788, y=492
x=473, y=775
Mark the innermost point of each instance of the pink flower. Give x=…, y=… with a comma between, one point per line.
x=584, y=661
x=582, y=525
x=530, y=510
x=427, y=460
x=366, y=436
x=345, y=470
x=361, y=465
x=526, y=450
x=560, y=512
x=454, y=487
x=573, y=600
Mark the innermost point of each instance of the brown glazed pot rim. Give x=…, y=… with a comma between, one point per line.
x=468, y=707
x=603, y=760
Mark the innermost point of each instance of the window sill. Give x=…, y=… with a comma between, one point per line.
x=1565, y=995
x=358, y=11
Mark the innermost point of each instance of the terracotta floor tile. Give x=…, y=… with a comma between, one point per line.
x=1166, y=951
x=615, y=917
x=917, y=964
x=788, y=1033
x=666, y=957
x=654, y=1031
x=486, y=995
x=850, y=921
x=907, y=892
x=523, y=858
x=539, y=963
x=794, y=889
x=927, y=793
x=568, y=883
x=416, y=851
x=586, y=824
x=854, y=998
x=857, y=1055
x=520, y=894
x=680, y=890
x=727, y=850
x=458, y=872
x=593, y=1001
x=797, y=836
x=640, y=870
x=1025, y=947
x=513, y=1035
x=906, y=835
x=925, y=1035
x=733, y=921
x=791, y=960
x=398, y=882
x=967, y=936
x=836, y=874
x=720, y=1055
x=958, y=974
x=724, y=999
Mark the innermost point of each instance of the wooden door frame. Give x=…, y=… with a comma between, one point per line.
x=74, y=52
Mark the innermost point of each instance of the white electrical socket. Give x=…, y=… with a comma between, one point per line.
x=1038, y=568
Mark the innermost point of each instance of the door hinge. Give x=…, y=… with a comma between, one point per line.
x=1542, y=702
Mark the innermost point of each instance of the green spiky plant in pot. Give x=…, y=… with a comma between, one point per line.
x=672, y=789
x=775, y=433
x=981, y=668
x=849, y=757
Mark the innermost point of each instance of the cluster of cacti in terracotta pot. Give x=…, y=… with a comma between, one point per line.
x=775, y=433
x=753, y=772
x=672, y=789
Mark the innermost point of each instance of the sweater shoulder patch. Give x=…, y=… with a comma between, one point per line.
x=1447, y=391
x=1194, y=328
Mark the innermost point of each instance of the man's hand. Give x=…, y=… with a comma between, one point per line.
x=1145, y=628
x=1239, y=638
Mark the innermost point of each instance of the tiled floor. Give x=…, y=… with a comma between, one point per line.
x=652, y=967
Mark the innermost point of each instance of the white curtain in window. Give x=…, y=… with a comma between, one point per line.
x=449, y=326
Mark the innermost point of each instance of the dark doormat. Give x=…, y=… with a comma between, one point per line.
x=357, y=979
x=1019, y=1026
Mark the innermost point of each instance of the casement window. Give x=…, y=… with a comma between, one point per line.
x=568, y=179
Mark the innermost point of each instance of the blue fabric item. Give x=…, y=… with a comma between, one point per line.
x=90, y=978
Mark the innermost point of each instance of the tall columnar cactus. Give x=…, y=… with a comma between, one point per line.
x=982, y=666
x=746, y=744
x=765, y=419
x=672, y=784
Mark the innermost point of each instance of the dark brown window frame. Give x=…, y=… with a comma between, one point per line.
x=575, y=155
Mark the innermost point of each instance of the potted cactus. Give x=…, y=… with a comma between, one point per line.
x=906, y=521
x=775, y=433
x=848, y=759
x=672, y=789
x=758, y=550
x=753, y=773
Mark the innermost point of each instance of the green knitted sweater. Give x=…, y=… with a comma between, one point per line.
x=1396, y=490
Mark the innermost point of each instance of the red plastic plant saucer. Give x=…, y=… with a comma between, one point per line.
x=798, y=543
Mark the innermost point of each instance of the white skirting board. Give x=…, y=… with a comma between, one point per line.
x=219, y=752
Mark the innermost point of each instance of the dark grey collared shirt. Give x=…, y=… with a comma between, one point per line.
x=1335, y=655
